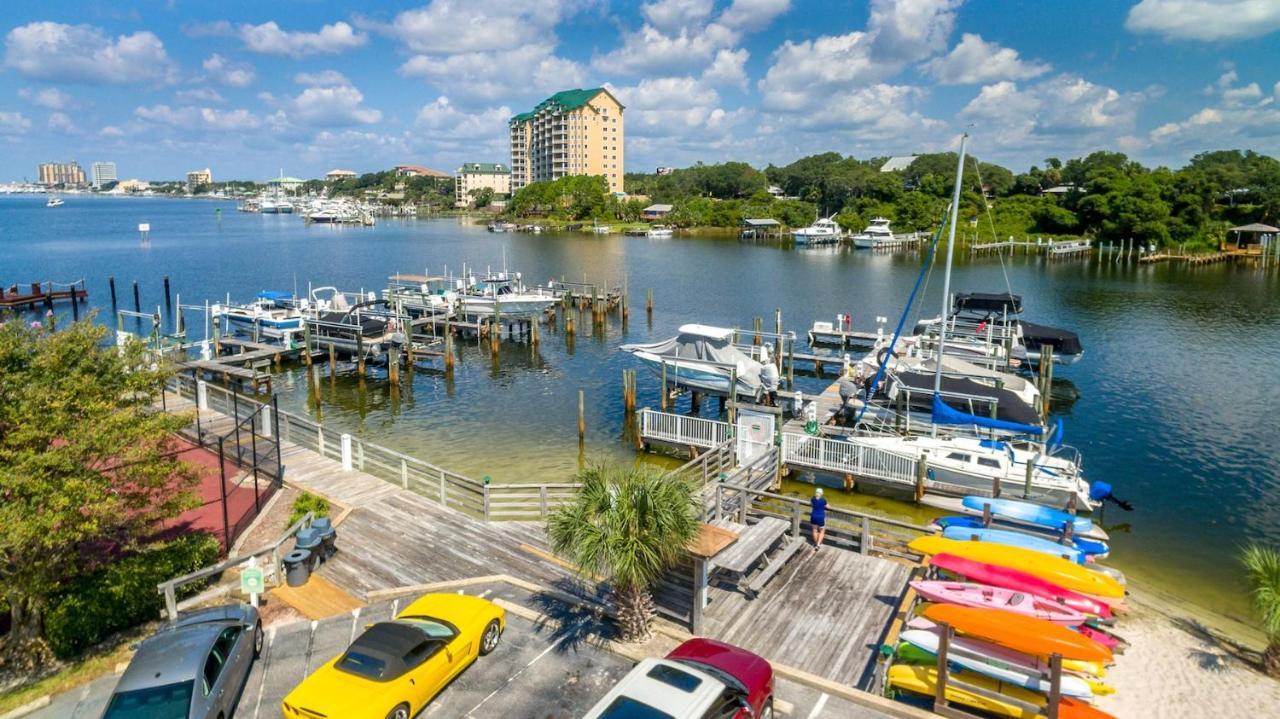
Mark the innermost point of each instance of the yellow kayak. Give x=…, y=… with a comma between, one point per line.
x=1061, y=572
x=969, y=689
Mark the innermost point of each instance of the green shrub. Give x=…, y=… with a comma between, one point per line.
x=124, y=594
x=308, y=502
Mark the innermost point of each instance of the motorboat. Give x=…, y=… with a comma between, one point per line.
x=703, y=358
x=876, y=235
x=659, y=231
x=502, y=294
x=825, y=230
x=54, y=202
x=352, y=322
x=271, y=314
x=421, y=295
x=993, y=318
x=502, y=227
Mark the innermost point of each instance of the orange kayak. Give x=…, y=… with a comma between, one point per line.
x=1061, y=572
x=1028, y=635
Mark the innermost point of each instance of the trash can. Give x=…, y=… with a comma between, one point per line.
x=297, y=567
x=328, y=537
x=308, y=540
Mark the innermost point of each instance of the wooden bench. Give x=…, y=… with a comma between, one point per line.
x=753, y=545
x=773, y=564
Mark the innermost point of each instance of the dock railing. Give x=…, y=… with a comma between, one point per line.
x=840, y=456
x=682, y=429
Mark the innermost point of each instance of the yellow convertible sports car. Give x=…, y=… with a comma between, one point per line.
x=394, y=668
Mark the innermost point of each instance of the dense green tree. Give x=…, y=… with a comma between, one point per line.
x=87, y=466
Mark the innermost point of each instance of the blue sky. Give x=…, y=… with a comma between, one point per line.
x=307, y=85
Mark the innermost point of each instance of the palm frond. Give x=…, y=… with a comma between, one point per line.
x=1262, y=571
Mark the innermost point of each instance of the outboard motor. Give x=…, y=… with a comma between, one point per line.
x=1101, y=492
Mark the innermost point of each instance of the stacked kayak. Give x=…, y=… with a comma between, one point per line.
x=967, y=594
x=1065, y=574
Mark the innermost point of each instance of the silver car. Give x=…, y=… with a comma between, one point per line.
x=194, y=668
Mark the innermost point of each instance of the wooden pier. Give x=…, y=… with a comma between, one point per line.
x=46, y=293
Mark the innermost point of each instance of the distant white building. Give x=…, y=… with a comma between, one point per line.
x=480, y=175
x=776, y=191
x=665, y=170
x=196, y=178
x=288, y=184
x=335, y=175
x=898, y=164
x=103, y=172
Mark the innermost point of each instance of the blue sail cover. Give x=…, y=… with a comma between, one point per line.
x=944, y=414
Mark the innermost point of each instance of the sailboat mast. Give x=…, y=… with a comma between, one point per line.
x=946, y=277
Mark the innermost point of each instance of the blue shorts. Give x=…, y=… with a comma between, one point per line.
x=818, y=520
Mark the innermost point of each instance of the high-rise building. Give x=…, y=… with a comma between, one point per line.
x=573, y=132
x=56, y=173
x=479, y=176
x=103, y=172
x=195, y=178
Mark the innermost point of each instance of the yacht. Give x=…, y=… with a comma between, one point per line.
x=823, y=231
x=54, y=202
x=503, y=294
x=876, y=235
x=704, y=358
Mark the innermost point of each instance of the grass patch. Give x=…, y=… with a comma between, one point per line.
x=96, y=663
x=308, y=502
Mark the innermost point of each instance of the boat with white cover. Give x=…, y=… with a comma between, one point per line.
x=703, y=358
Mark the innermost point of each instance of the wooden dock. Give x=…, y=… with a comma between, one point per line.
x=46, y=293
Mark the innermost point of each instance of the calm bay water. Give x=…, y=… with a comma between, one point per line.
x=1174, y=402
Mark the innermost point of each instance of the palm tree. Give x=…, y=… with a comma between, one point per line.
x=1262, y=568
x=627, y=525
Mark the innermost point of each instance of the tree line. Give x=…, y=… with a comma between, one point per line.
x=1105, y=195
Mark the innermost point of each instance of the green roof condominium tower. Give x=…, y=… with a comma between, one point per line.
x=573, y=132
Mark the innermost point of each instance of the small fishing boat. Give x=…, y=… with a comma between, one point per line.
x=824, y=231
x=352, y=324
x=659, y=231
x=54, y=202
x=1028, y=635
x=1008, y=538
x=504, y=294
x=1061, y=572
x=1006, y=666
x=704, y=358
x=1018, y=580
x=875, y=236
x=968, y=594
x=421, y=295
x=271, y=314
x=1029, y=512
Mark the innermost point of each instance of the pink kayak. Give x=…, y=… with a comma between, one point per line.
x=1106, y=639
x=983, y=596
x=1007, y=578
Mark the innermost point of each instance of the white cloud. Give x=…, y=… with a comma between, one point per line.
x=1205, y=20
x=203, y=118
x=975, y=61
x=910, y=30
x=228, y=72
x=648, y=51
x=674, y=15
x=1064, y=113
x=803, y=72
x=13, y=123
x=443, y=120
x=269, y=39
x=486, y=77
x=111, y=131
x=61, y=122
x=199, y=95
x=728, y=68
x=1242, y=116
x=82, y=53
x=752, y=15
x=668, y=106
x=446, y=27
x=331, y=106
x=49, y=97
x=324, y=77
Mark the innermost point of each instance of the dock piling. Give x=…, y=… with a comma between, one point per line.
x=111, y=282
x=137, y=304
x=582, y=418
x=393, y=365
x=168, y=303
x=649, y=302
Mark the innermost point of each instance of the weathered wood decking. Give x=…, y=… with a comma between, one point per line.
x=823, y=612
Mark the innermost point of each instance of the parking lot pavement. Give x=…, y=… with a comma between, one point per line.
x=544, y=670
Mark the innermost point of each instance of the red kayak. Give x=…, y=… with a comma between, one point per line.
x=1019, y=580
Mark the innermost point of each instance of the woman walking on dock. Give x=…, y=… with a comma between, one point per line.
x=818, y=518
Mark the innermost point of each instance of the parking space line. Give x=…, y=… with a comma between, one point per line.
x=355, y=622
x=818, y=706
x=511, y=679
x=265, y=660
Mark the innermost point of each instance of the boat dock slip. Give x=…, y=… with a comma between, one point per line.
x=1051, y=249
x=831, y=336
x=17, y=298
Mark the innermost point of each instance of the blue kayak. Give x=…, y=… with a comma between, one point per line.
x=1015, y=539
x=1088, y=546
x=1029, y=512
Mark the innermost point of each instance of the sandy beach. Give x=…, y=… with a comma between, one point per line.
x=1183, y=664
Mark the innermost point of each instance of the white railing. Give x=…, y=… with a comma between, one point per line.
x=844, y=457
x=681, y=429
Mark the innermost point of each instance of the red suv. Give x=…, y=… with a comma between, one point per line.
x=700, y=679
